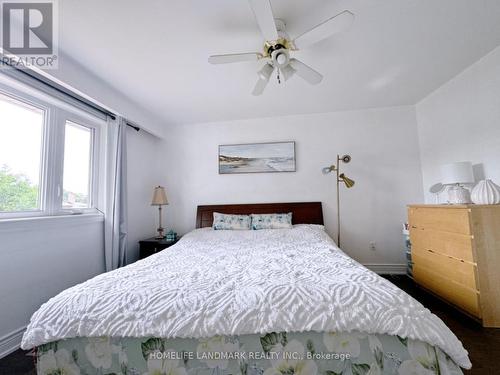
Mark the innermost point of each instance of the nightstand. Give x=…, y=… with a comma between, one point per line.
x=152, y=246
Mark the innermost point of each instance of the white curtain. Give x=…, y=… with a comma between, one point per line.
x=115, y=229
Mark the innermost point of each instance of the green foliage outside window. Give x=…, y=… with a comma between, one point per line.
x=16, y=192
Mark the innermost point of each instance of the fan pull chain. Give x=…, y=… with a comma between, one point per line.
x=278, y=76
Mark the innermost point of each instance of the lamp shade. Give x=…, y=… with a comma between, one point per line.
x=266, y=71
x=457, y=173
x=159, y=196
x=347, y=181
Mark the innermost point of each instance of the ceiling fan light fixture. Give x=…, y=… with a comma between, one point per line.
x=266, y=71
x=287, y=72
x=280, y=57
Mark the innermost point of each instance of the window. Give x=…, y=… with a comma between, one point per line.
x=21, y=129
x=77, y=166
x=50, y=156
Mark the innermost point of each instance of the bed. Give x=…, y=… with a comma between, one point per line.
x=271, y=302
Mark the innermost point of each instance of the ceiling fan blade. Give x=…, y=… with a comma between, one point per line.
x=265, y=18
x=259, y=87
x=234, y=57
x=306, y=72
x=331, y=26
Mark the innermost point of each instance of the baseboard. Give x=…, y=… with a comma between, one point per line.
x=387, y=269
x=11, y=342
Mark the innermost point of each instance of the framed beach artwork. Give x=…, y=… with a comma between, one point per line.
x=257, y=158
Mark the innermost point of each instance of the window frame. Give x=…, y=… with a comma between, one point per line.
x=57, y=113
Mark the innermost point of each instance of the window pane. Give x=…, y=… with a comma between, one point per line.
x=21, y=136
x=77, y=166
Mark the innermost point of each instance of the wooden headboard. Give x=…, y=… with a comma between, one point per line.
x=302, y=212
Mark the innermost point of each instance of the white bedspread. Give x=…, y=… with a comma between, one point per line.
x=240, y=282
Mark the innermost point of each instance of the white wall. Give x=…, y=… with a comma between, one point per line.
x=40, y=258
x=385, y=164
x=144, y=173
x=461, y=122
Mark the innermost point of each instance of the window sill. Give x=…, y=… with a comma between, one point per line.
x=45, y=222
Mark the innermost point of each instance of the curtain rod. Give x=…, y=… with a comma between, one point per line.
x=63, y=90
x=135, y=127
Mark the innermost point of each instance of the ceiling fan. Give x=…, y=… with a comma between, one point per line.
x=278, y=46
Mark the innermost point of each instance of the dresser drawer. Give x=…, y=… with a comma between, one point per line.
x=459, y=295
x=454, y=220
x=447, y=243
x=452, y=269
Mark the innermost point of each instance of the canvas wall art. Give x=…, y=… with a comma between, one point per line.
x=257, y=158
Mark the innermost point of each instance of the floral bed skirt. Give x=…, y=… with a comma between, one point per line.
x=306, y=353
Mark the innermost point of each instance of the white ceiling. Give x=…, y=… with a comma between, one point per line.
x=155, y=52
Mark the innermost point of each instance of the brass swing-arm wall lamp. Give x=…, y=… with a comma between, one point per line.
x=341, y=177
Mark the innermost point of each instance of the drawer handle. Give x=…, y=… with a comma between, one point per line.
x=430, y=251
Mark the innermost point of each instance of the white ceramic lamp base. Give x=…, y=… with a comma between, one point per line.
x=458, y=195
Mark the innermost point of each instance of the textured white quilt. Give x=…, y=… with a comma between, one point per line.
x=240, y=282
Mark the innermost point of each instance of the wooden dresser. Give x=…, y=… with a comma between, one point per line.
x=455, y=251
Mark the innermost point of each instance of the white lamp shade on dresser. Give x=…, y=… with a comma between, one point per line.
x=457, y=173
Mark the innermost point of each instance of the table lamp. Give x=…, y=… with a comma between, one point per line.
x=455, y=175
x=159, y=199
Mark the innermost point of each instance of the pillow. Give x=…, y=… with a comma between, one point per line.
x=231, y=222
x=271, y=221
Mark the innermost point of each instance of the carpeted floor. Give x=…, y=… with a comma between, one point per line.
x=483, y=344
x=17, y=363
